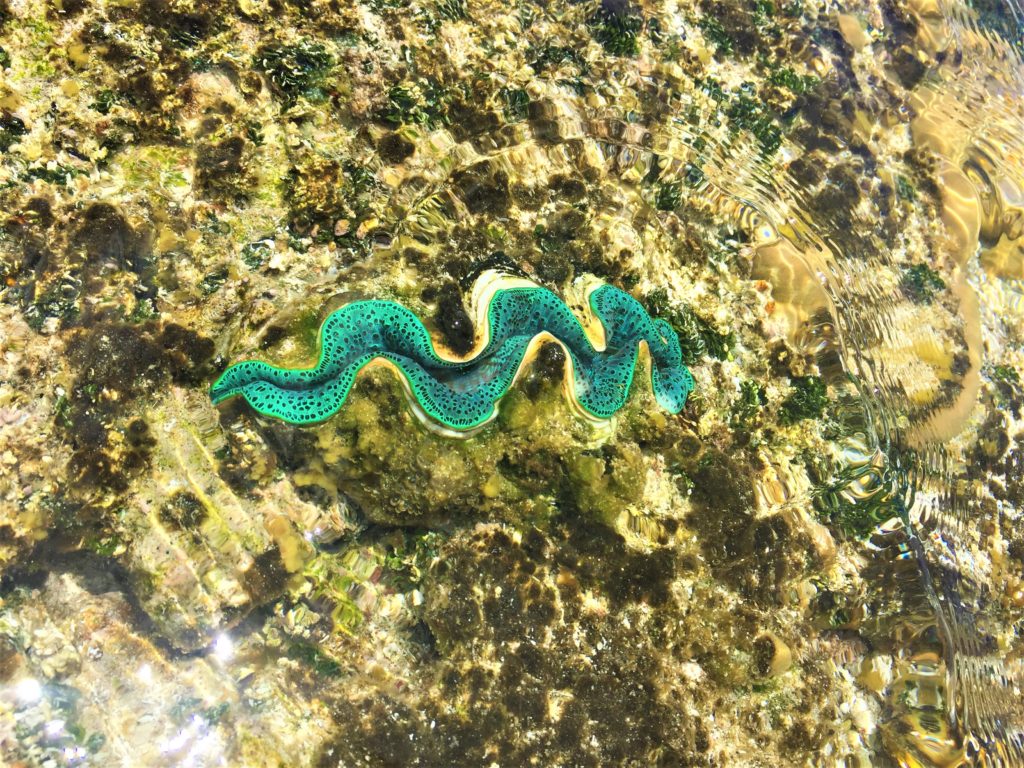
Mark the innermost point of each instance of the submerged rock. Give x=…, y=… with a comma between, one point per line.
x=826, y=207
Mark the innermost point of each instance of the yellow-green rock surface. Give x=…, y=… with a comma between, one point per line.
x=820, y=561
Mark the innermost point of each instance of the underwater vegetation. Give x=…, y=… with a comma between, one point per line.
x=462, y=394
x=819, y=561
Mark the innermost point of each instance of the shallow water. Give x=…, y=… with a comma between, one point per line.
x=820, y=561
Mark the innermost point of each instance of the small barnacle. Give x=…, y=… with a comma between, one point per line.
x=394, y=148
x=106, y=239
x=257, y=253
x=483, y=189
x=213, y=281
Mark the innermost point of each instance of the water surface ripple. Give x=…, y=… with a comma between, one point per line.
x=957, y=697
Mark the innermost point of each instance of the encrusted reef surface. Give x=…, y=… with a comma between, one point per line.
x=824, y=201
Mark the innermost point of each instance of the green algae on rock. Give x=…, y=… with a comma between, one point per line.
x=189, y=183
x=462, y=395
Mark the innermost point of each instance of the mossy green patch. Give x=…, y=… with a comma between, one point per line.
x=1005, y=373
x=747, y=113
x=697, y=337
x=669, y=196
x=617, y=32
x=422, y=102
x=748, y=405
x=715, y=33
x=854, y=516
x=515, y=103
x=904, y=189
x=452, y=10
x=296, y=70
x=547, y=56
x=920, y=283
x=787, y=78
x=12, y=128
x=807, y=400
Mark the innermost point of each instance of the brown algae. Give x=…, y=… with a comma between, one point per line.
x=819, y=561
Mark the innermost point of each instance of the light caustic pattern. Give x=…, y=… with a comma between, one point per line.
x=462, y=395
x=915, y=369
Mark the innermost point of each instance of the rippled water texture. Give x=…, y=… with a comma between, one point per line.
x=914, y=372
x=819, y=560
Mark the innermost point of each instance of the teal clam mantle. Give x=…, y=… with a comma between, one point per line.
x=462, y=395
